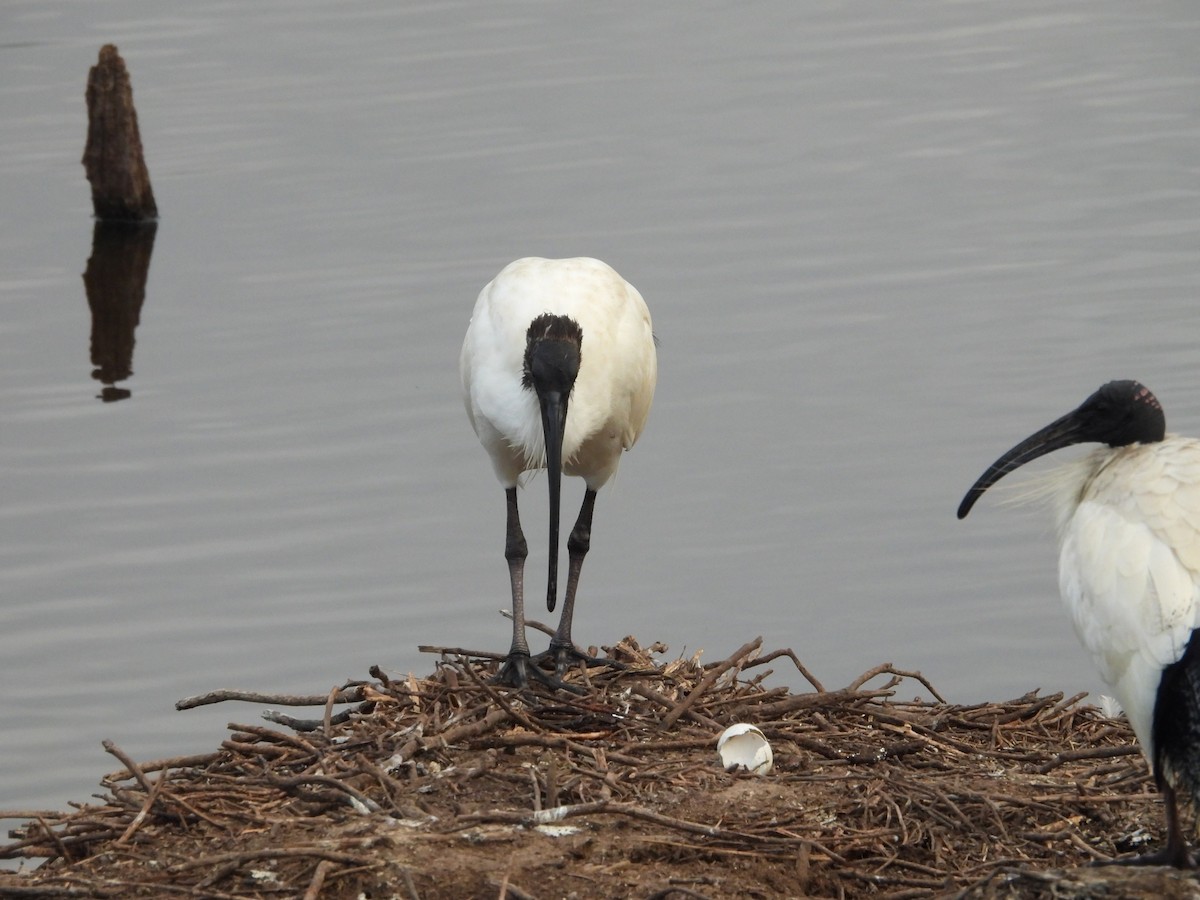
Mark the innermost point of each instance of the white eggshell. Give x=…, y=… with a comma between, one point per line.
x=743, y=746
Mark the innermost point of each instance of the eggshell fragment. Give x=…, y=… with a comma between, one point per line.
x=743, y=746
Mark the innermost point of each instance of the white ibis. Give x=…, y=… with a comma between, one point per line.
x=558, y=370
x=1129, y=573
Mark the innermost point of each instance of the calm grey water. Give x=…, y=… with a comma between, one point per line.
x=880, y=243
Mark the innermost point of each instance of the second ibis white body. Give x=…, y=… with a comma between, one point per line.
x=617, y=373
x=558, y=371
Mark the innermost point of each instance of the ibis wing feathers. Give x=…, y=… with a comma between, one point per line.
x=504, y=416
x=642, y=379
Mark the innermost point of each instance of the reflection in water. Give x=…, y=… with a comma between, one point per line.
x=115, y=281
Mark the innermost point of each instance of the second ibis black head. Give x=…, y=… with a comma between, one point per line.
x=1118, y=414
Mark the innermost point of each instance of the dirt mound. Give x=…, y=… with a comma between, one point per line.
x=447, y=787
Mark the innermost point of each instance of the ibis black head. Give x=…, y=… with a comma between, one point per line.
x=1118, y=414
x=552, y=345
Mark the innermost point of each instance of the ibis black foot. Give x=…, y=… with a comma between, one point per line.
x=1175, y=851
x=566, y=655
x=518, y=668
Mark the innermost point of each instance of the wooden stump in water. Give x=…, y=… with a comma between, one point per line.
x=113, y=157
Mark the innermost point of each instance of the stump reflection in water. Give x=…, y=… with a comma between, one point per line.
x=115, y=282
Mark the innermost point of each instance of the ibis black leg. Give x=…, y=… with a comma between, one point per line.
x=518, y=668
x=577, y=547
x=1176, y=850
x=562, y=649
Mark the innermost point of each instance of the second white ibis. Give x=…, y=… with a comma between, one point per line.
x=558, y=372
x=1129, y=573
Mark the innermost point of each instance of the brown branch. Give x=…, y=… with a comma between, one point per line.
x=151, y=799
x=269, y=734
x=54, y=837
x=710, y=678
x=240, y=858
x=318, y=879
x=329, y=701
x=829, y=699
x=174, y=762
x=889, y=669
x=307, y=725
x=460, y=651
x=350, y=695
x=530, y=623
x=644, y=690
x=453, y=735
x=800, y=667
x=1066, y=756
x=129, y=764
x=352, y=794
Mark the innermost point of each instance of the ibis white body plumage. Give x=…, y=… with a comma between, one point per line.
x=559, y=356
x=613, y=390
x=1129, y=572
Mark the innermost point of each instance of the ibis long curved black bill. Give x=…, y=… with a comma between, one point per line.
x=1062, y=432
x=554, y=418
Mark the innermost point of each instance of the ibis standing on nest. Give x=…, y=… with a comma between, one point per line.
x=558, y=371
x=1129, y=573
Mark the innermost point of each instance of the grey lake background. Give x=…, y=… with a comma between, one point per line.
x=881, y=243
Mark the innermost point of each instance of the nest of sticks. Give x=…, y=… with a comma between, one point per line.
x=447, y=786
